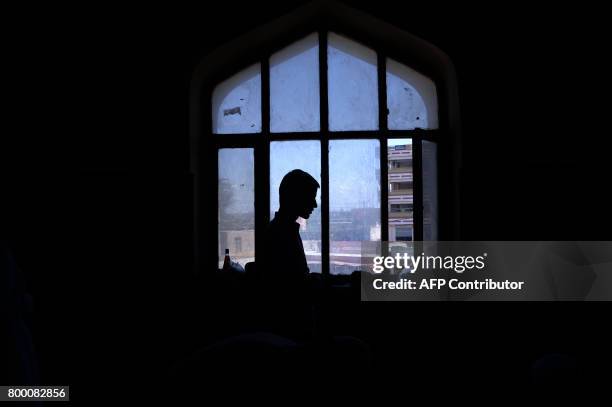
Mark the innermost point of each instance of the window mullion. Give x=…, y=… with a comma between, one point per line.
x=382, y=124
x=208, y=223
x=265, y=97
x=325, y=245
x=417, y=182
x=262, y=163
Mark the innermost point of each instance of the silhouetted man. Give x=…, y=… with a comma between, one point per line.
x=284, y=266
x=284, y=257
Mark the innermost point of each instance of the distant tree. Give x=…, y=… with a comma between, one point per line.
x=226, y=195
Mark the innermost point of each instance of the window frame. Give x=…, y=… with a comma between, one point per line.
x=321, y=19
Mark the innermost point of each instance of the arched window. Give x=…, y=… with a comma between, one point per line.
x=337, y=94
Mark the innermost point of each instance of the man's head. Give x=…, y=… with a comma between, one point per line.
x=298, y=193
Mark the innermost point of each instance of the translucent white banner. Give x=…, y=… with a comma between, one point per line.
x=486, y=271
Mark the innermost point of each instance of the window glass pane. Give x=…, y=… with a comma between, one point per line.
x=354, y=201
x=236, y=103
x=294, y=87
x=430, y=191
x=286, y=156
x=399, y=173
x=353, y=86
x=236, y=205
x=411, y=98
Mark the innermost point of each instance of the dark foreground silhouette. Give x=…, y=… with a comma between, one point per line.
x=287, y=287
x=287, y=335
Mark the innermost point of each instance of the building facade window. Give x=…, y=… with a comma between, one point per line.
x=403, y=234
x=401, y=208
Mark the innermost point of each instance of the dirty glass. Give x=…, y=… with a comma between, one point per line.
x=353, y=86
x=430, y=191
x=411, y=99
x=400, y=187
x=354, y=201
x=236, y=205
x=304, y=155
x=236, y=103
x=294, y=87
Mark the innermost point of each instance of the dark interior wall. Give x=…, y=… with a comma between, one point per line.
x=98, y=194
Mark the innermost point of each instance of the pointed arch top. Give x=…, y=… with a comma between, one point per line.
x=334, y=16
x=395, y=43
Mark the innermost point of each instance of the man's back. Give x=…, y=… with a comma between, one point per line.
x=284, y=257
x=283, y=267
